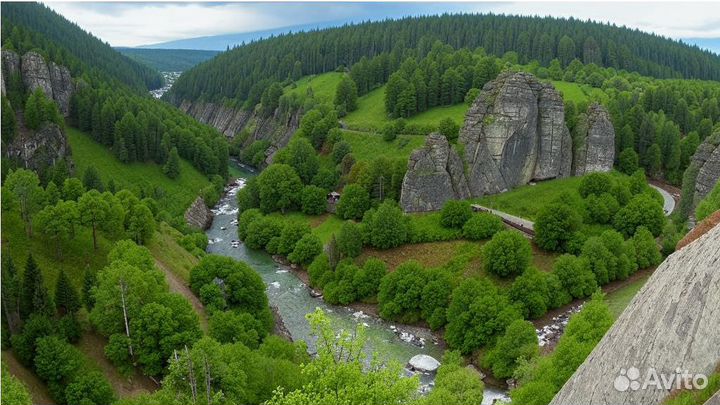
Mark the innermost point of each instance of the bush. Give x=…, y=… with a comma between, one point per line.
x=482, y=226
x=353, y=203
x=350, y=240
x=313, y=200
x=646, y=251
x=261, y=231
x=455, y=213
x=392, y=129
x=318, y=269
x=400, y=293
x=508, y=253
x=340, y=149
x=530, y=291
x=595, y=183
x=232, y=327
x=90, y=388
x=366, y=280
x=518, y=344
x=641, y=211
x=245, y=219
x=449, y=128
x=575, y=276
x=291, y=233
x=306, y=249
x=555, y=226
x=387, y=227
x=601, y=209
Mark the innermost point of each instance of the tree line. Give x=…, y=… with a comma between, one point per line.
x=242, y=74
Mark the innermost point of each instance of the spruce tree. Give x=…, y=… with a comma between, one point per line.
x=92, y=180
x=88, y=284
x=34, y=296
x=172, y=166
x=66, y=298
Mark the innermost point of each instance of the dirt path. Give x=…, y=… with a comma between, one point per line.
x=93, y=346
x=38, y=391
x=178, y=286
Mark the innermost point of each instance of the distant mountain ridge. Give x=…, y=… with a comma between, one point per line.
x=168, y=60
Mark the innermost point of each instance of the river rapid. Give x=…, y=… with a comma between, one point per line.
x=292, y=299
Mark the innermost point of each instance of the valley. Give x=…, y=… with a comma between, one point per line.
x=457, y=207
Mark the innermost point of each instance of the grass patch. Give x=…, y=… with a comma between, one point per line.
x=619, y=299
x=177, y=194
x=578, y=93
x=371, y=115
x=323, y=226
x=434, y=254
x=323, y=86
x=164, y=248
x=366, y=146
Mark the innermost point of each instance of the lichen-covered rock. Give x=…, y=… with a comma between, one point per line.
x=277, y=128
x=198, y=215
x=515, y=132
x=435, y=175
x=594, y=149
x=672, y=323
x=35, y=73
x=40, y=149
x=707, y=159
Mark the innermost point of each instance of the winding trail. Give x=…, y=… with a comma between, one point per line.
x=178, y=286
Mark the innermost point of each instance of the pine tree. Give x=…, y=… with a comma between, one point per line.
x=88, y=284
x=566, y=50
x=34, y=296
x=66, y=298
x=33, y=110
x=172, y=166
x=92, y=180
x=346, y=94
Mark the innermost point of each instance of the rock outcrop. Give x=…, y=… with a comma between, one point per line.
x=54, y=80
x=277, y=129
x=594, y=143
x=434, y=173
x=40, y=149
x=672, y=323
x=514, y=133
x=198, y=215
x=707, y=160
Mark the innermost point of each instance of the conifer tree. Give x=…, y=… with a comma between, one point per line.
x=34, y=296
x=172, y=166
x=66, y=298
x=88, y=283
x=92, y=180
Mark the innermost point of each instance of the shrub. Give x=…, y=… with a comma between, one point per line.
x=518, y=344
x=507, y=253
x=318, y=269
x=340, y=149
x=595, y=183
x=455, y=214
x=306, y=249
x=482, y=226
x=400, y=293
x=530, y=291
x=261, y=231
x=366, y=280
x=387, y=226
x=628, y=161
x=575, y=276
x=601, y=209
x=90, y=388
x=646, y=251
x=555, y=226
x=291, y=233
x=350, y=240
x=232, y=327
x=449, y=128
x=641, y=211
x=353, y=203
x=313, y=200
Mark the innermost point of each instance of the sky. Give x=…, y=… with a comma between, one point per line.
x=144, y=23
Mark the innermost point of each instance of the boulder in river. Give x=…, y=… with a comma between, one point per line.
x=423, y=363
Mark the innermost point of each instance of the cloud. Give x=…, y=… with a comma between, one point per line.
x=133, y=24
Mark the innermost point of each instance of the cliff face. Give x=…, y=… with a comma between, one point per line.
x=672, y=323
x=54, y=80
x=514, y=133
x=594, y=149
x=277, y=129
x=198, y=215
x=707, y=159
x=40, y=149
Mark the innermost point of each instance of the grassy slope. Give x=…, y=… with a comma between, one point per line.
x=578, y=93
x=371, y=116
x=323, y=86
x=366, y=146
x=179, y=193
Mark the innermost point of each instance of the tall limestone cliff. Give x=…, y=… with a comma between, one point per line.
x=594, y=143
x=277, y=128
x=707, y=159
x=672, y=323
x=514, y=133
x=54, y=80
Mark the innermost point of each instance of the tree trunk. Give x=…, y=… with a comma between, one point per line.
x=123, y=287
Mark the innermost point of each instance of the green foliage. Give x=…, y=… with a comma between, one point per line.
x=301, y=156
x=508, y=253
x=232, y=327
x=575, y=275
x=346, y=94
x=641, y=211
x=455, y=214
x=387, y=226
x=313, y=200
x=13, y=391
x=646, y=250
x=261, y=232
x=279, y=188
x=709, y=204
x=66, y=298
x=555, y=225
x=24, y=187
x=291, y=233
x=350, y=240
x=353, y=203
x=518, y=344
x=92, y=180
x=401, y=293
x=172, y=166
x=34, y=295
x=530, y=291
x=306, y=249
x=482, y=225
x=595, y=183
x=477, y=314
x=449, y=129
x=601, y=208
x=455, y=383
x=40, y=110
x=168, y=60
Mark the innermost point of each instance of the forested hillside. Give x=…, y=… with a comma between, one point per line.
x=168, y=60
x=67, y=44
x=242, y=74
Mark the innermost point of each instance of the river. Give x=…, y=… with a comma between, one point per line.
x=292, y=299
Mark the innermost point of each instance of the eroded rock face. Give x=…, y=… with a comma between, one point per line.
x=40, y=149
x=277, y=128
x=198, y=215
x=435, y=174
x=54, y=80
x=672, y=323
x=707, y=159
x=594, y=149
